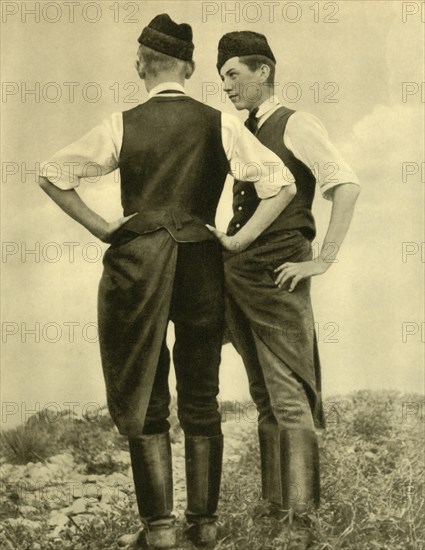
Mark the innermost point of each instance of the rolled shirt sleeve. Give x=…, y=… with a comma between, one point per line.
x=92, y=156
x=252, y=161
x=308, y=140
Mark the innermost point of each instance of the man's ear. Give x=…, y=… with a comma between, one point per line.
x=140, y=68
x=189, y=69
x=264, y=73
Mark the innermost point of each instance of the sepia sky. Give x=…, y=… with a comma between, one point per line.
x=357, y=65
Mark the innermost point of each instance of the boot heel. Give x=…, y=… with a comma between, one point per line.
x=202, y=535
x=161, y=538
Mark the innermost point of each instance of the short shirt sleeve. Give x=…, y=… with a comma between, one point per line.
x=308, y=140
x=93, y=155
x=251, y=161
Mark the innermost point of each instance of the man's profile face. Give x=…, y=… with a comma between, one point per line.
x=242, y=85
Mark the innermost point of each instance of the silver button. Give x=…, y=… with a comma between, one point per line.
x=239, y=207
x=238, y=225
x=242, y=192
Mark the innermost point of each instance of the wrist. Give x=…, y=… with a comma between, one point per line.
x=242, y=240
x=323, y=263
x=100, y=229
x=238, y=244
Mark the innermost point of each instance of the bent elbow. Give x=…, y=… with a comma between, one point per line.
x=291, y=190
x=354, y=192
x=43, y=182
x=347, y=192
x=357, y=191
x=46, y=185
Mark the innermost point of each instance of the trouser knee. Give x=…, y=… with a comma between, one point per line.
x=199, y=417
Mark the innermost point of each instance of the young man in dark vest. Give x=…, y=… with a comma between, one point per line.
x=163, y=264
x=274, y=330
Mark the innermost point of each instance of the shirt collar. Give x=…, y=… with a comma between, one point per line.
x=271, y=103
x=166, y=86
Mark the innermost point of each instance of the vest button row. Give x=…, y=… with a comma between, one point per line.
x=239, y=207
x=242, y=192
x=238, y=225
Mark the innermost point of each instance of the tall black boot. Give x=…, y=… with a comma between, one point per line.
x=300, y=472
x=290, y=480
x=271, y=483
x=290, y=475
x=153, y=481
x=204, y=457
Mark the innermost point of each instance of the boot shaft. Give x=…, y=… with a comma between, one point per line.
x=204, y=457
x=289, y=467
x=153, y=478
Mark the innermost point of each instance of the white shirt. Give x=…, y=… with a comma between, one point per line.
x=306, y=137
x=97, y=153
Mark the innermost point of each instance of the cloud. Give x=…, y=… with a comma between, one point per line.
x=385, y=138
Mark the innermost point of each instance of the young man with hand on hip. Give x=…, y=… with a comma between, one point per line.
x=273, y=330
x=174, y=154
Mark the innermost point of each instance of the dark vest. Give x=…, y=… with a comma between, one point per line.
x=297, y=215
x=173, y=167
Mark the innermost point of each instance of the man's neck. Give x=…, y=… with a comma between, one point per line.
x=151, y=82
x=266, y=93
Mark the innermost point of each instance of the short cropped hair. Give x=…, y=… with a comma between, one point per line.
x=254, y=62
x=156, y=62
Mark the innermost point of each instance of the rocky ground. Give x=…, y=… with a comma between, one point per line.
x=68, y=485
x=55, y=501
